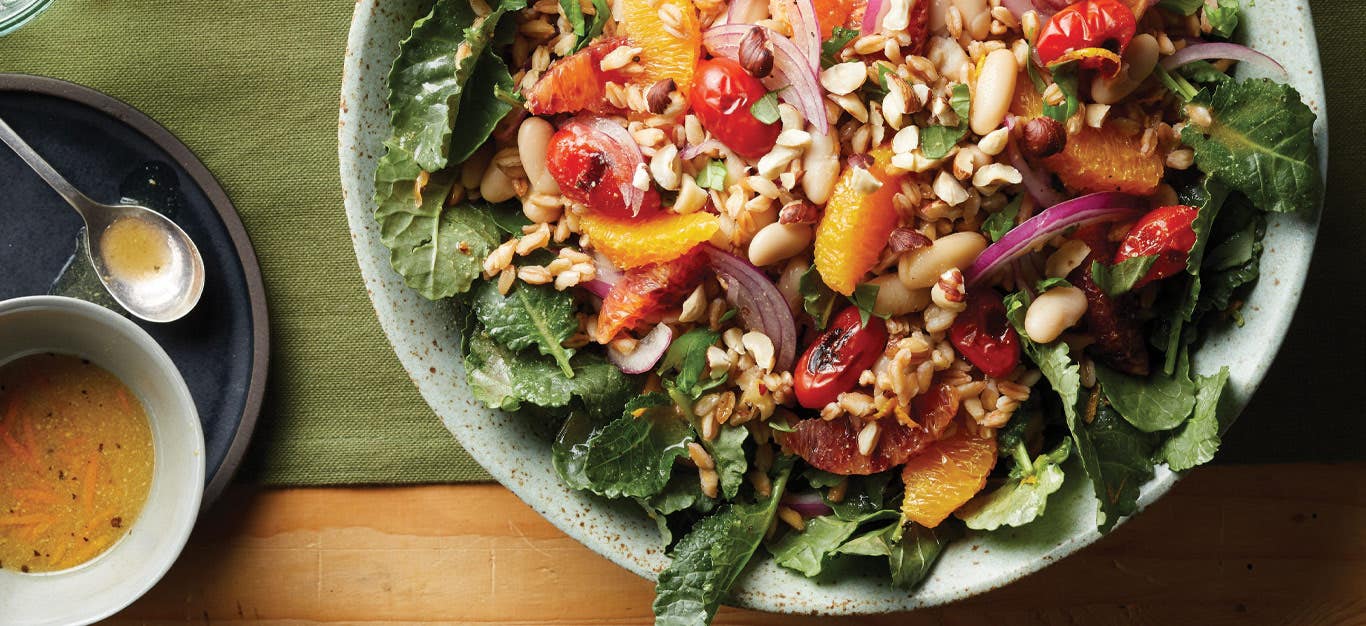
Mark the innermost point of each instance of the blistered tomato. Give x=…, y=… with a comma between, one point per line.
x=832, y=365
x=983, y=335
x=1096, y=32
x=1165, y=232
x=595, y=170
x=721, y=96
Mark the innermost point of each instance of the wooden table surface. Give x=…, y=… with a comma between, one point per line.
x=1257, y=544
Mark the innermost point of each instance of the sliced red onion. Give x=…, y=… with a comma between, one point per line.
x=809, y=504
x=597, y=287
x=1107, y=206
x=761, y=305
x=1233, y=51
x=605, y=270
x=633, y=195
x=806, y=31
x=746, y=11
x=793, y=78
x=1036, y=184
x=872, y=16
x=693, y=149
x=648, y=351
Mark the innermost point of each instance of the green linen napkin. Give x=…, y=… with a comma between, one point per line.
x=252, y=88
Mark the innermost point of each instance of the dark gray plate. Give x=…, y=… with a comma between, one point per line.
x=111, y=151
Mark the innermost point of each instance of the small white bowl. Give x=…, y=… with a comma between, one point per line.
x=125, y=572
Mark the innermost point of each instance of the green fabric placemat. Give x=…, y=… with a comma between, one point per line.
x=252, y=88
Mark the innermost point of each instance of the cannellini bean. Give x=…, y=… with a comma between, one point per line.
x=789, y=282
x=495, y=186
x=921, y=268
x=946, y=55
x=893, y=298
x=1139, y=60
x=976, y=17
x=1054, y=311
x=821, y=163
x=1066, y=258
x=995, y=88
x=778, y=242
x=532, y=138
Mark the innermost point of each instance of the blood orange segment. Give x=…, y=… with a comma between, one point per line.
x=945, y=476
x=647, y=292
x=832, y=445
x=856, y=224
x=669, y=47
x=632, y=243
x=576, y=82
x=1106, y=159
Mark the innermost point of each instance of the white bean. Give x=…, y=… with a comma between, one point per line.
x=821, y=163
x=1054, y=311
x=1139, y=60
x=778, y=242
x=1067, y=257
x=995, y=88
x=893, y=298
x=533, y=136
x=976, y=17
x=921, y=268
x=495, y=186
x=789, y=282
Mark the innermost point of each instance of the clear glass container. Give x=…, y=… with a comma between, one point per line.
x=15, y=13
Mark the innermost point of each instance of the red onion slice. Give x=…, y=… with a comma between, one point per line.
x=793, y=78
x=1107, y=206
x=809, y=504
x=648, y=351
x=873, y=14
x=806, y=31
x=598, y=287
x=761, y=305
x=1035, y=184
x=633, y=195
x=693, y=149
x=1205, y=51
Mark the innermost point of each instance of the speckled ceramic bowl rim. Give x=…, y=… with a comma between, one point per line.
x=1282, y=28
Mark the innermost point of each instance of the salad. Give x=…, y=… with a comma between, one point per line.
x=840, y=280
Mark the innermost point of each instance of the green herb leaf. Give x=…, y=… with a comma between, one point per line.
x=863, y=495
x=573, y=13
x=1159, y=402
x=1065, y=76
x=1198, y=440
x=713, y=175
x=914, y=555
x=830, y=48
x=937, y=141
x=708, y=560
x=1222, y=18
x=481, y=108
x=728, y=451
x=687, y=355
x=808, y=550
x=529, y=315
x=439, y=251
x=1125, y=459
x=1261, y=143
x=1182, y=7
x=818, y=299
x=1024, y=496
x=1121, y=277
x=634, y=455
x=1235, y=260
x=1203, y=73
x=683, y=492
x=765, y=109
x=864, y=297
x=1001, y=222
x=961, y=102
x=1051, y=282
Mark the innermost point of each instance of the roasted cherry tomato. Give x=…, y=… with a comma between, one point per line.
x=594, y=169
x=983, y=335
x=1096, y=32
x=832, y=365
x=721, y=95
x=1165, y=232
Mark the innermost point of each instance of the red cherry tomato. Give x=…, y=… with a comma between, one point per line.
x=983, y=335
x=591, y=168
x=1165, y=232
x=832, y=365
x=1084, y=31
x=721, y=95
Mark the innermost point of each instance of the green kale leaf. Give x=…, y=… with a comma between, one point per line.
x=1023, y=497
x=481, y=108
x=1198, y=440
x=708, y=560
x=529, y=315
x=634, y=455
x=1156, y=403
x=1261, y=142
x=808, y=550
x=505, y=379
x=687, y=356
x=1124, y=455
x=914, y=554
x=863, y=495
x=728, y=451
x=1222, y=18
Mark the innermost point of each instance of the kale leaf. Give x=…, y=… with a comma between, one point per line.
x=529, y=315
x=808, y=550
x=1156, y=403
x=1125, y=459
x=1023, y=497
x=728, y=452
x=634, y=455
x=687, y=356
x=1197, y=441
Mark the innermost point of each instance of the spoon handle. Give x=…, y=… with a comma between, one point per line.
x=73, y=196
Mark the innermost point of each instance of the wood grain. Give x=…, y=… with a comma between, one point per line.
x=1266, y=544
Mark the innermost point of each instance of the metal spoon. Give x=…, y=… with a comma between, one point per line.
x=145, y=261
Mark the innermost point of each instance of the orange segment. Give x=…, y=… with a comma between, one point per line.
x=632, y=243
x=666, y=51
x=645, y=293
x=1106, y=159
x=855, y=227
x=945, y=476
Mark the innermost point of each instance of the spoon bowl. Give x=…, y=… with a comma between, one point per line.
x=143, y=259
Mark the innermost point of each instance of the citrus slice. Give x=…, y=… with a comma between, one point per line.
x=856, y=224
x=670, y=38
x=945, y=476
x=647, y=292
x=629, y=243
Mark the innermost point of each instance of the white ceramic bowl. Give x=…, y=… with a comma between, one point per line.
x=112, y=581
x=517, y=453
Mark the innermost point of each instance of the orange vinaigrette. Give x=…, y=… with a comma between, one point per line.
x=76, y=462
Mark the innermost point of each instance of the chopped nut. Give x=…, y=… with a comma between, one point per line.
x=1044, y=137
x=906, y=139
x=949, y=293
x=906, y=239
x=759, y=345
x=949, y=189
x=798, y=212
x=755, y=55
x=619, y=57
x=992, y=176
x=660, y=95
